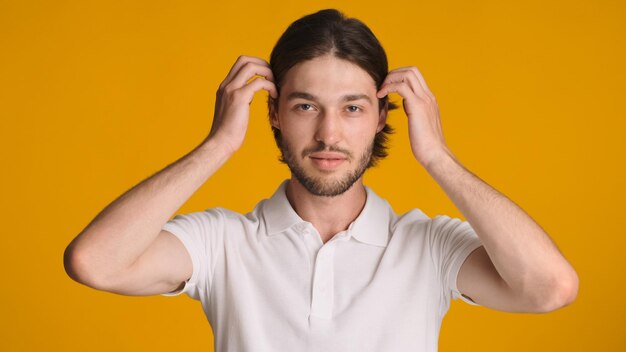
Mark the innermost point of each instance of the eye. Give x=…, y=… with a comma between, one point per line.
x=304, y=107
x=353, y=108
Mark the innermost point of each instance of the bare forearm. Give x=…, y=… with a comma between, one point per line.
x=127, y=226
x=521, y=268
x=523, y=254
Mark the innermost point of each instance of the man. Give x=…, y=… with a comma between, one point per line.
x=324, y=264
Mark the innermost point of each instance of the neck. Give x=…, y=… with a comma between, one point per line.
x=329, y=215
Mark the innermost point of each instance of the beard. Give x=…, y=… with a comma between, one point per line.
x=318, y=186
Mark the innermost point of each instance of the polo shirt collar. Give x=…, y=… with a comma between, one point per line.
x=278, y=213
x=371, y=226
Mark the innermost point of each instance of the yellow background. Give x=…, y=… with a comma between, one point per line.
x=96, y=96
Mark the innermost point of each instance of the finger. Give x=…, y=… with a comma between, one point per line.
x=248, y=71
x=420, y=78
x=418, y=75
x=401, y=88
x=399, y=76
x=242, y=60
x=256, y=85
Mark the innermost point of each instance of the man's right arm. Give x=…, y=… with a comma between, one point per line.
x=123, y=250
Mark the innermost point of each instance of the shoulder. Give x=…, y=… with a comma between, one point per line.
x=411, y=221
x=230, y=218
x=444, y=225
x=416, y=224
x=216, y=218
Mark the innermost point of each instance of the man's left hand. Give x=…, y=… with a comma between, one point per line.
x=420, y=106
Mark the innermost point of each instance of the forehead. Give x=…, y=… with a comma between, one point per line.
x=328, y=77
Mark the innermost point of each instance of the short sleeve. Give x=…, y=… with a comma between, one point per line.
x=202, y=235
x=451, y=242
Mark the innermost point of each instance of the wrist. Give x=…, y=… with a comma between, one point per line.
x=218, y=144
x=437, y=158
x=443, y=165
x=216, y=148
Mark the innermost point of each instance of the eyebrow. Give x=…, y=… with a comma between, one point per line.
x=346, y=98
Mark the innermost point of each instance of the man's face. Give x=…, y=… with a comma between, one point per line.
x=328, y=116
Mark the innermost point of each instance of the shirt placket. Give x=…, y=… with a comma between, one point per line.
x=323, y=290
x=323, y=282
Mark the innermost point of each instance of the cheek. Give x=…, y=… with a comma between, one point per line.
x=294, y=137
x=363, y=129
x=294, y=127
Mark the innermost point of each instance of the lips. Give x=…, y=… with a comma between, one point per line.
x=327, y=160
x=327, y=155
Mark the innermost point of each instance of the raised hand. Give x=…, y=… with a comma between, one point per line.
x=234, y=95
x=420, y=106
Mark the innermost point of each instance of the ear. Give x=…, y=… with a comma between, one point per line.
x=382, y=119
x=273, y=112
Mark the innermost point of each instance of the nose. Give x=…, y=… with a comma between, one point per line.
x=328, y=129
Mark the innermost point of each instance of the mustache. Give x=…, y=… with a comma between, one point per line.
x=323, y=147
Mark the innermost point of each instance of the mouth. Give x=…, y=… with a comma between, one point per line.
x=327, y=161
x=328, y=155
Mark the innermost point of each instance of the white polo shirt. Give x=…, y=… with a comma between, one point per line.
x=267, y=282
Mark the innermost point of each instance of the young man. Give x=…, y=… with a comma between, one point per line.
x=324, y=264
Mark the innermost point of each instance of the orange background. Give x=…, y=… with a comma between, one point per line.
x=96, y=96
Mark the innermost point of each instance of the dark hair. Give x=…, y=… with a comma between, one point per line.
x=331, y=32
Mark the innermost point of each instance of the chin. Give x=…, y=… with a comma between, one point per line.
x=326, y=185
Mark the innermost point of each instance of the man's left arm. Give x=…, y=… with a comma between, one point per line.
x=518, y=268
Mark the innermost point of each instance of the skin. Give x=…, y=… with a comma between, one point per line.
x=331, y=102
x=124, y=250
x=518, y=268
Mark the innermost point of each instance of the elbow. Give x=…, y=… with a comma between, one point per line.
x=74, y=265
x=77, y=267
x=563, y=292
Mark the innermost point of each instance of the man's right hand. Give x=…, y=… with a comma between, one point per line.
x=232, y=104
x=125, y=249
